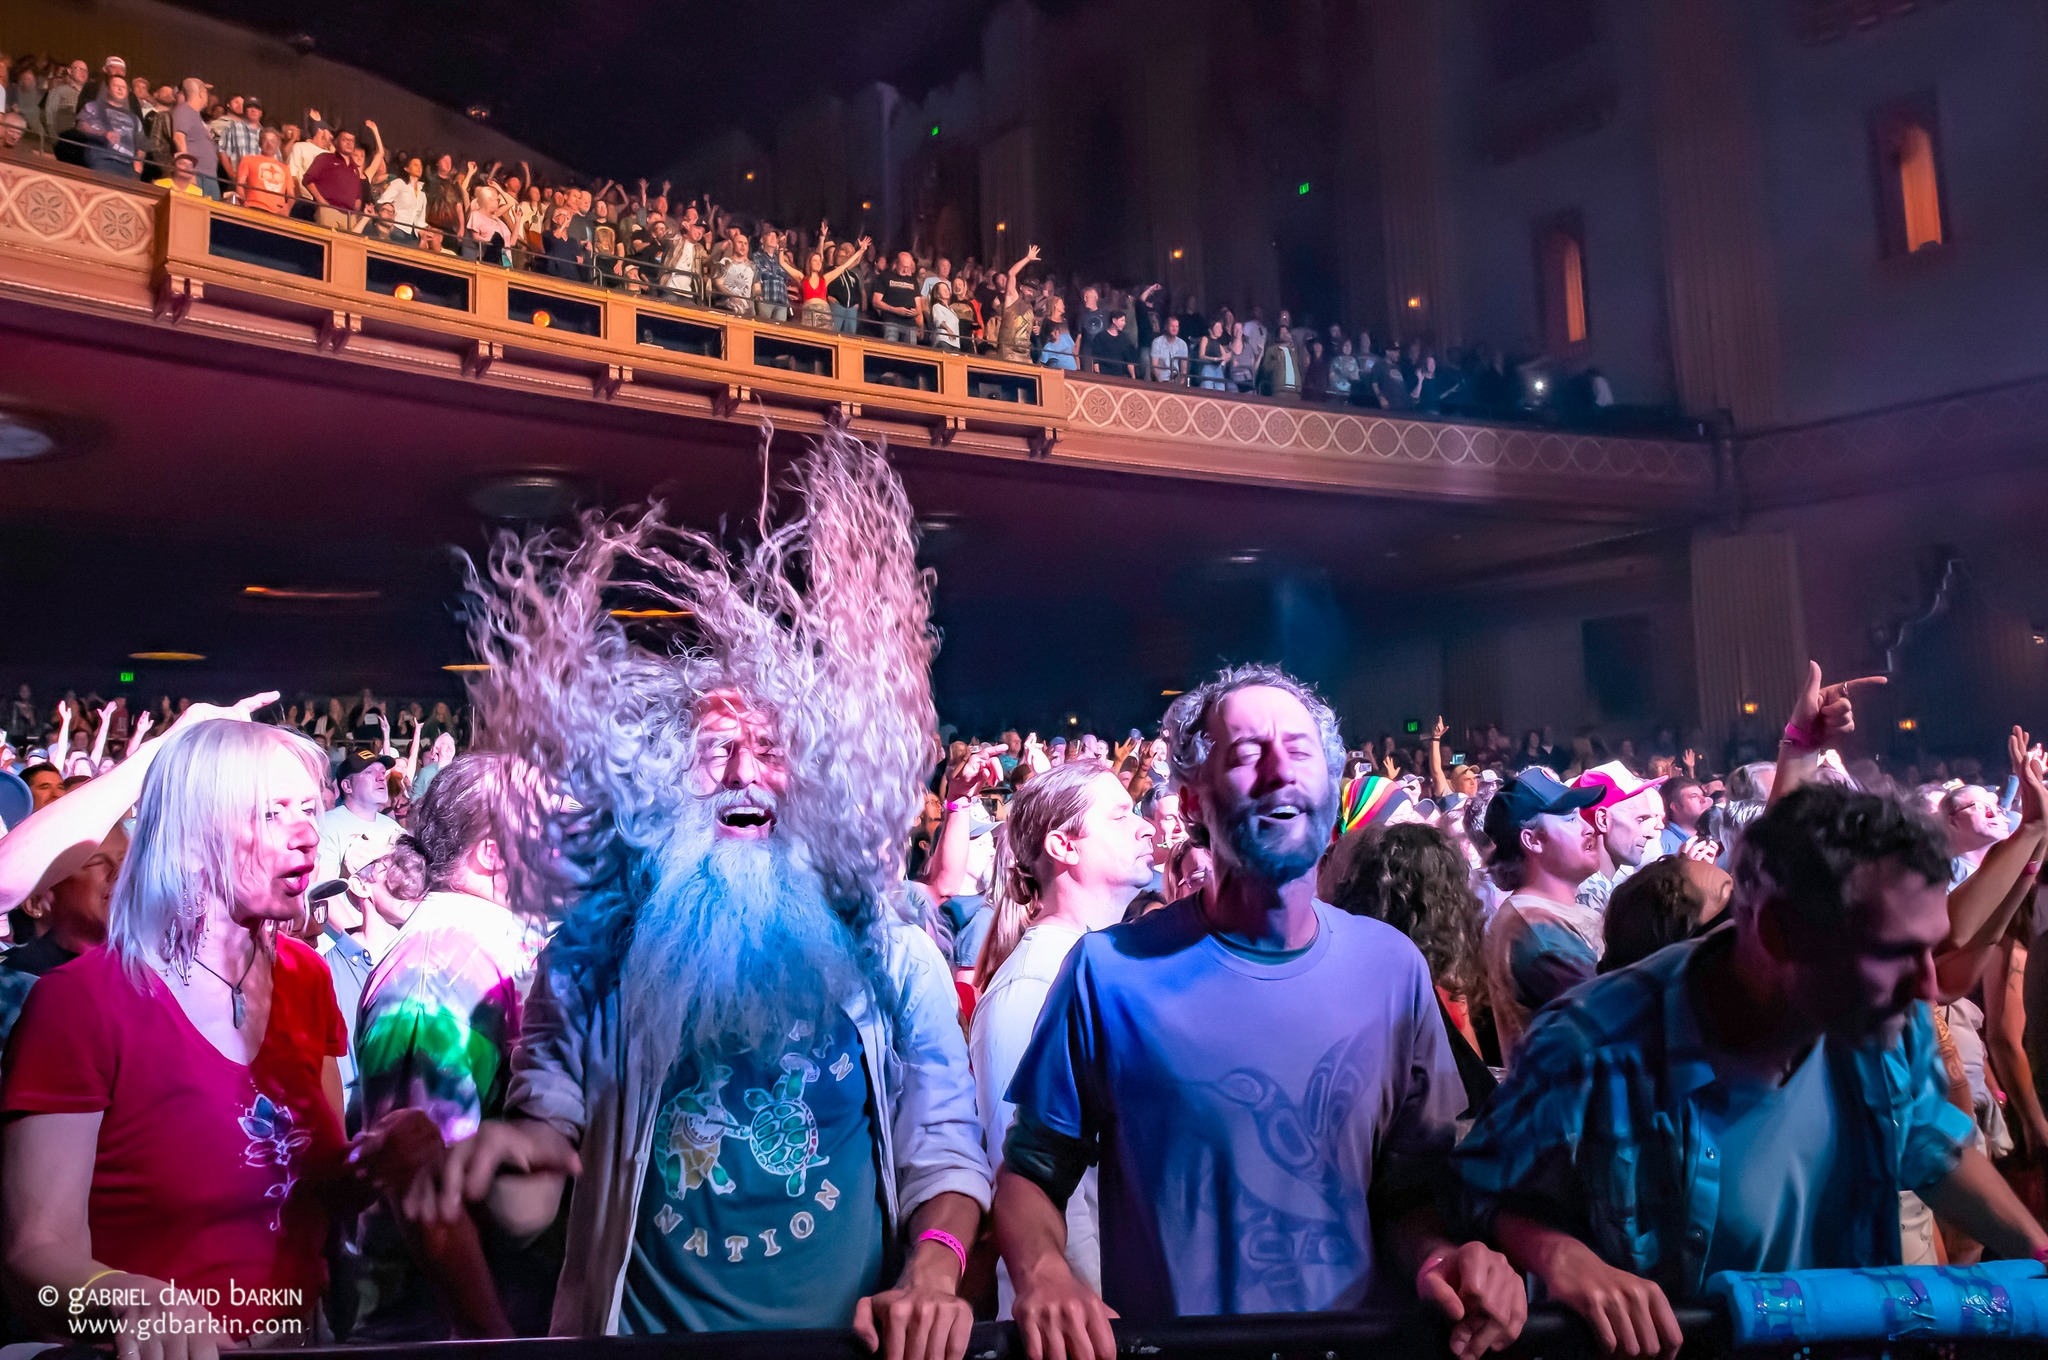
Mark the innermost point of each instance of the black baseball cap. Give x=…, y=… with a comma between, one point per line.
x=1533, y=793
x=360, y=758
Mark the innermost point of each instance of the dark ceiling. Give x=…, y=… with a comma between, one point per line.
x=205, y=467
x=623, y=87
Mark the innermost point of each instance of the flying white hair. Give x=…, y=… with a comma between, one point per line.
x=824, y=624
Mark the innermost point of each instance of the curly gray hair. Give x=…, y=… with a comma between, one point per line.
x=1187, y=718
x=825, y=623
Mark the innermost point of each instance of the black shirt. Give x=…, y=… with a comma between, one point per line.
x=897, y=291
x=1112, y=354
x=845, y=290
x=38, y=956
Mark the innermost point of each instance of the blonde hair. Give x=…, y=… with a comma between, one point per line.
x=206, y=785
x=1053, y=801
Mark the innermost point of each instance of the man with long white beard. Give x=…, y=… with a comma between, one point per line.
x=751, y=1067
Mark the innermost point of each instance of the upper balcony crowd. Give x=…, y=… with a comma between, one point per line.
x=190, y=138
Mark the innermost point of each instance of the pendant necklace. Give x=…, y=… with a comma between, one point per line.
x=235, y=988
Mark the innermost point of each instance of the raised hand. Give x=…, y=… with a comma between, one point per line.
x=2028, y=764
x=99, y=740
x=235, y=712
x=979, y=770
x=143, y=722
x=1823, y=715
x=1437, y=729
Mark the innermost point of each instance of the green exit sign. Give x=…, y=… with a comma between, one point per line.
x=1413, y=725
x=1303, y=188
x=127, y=677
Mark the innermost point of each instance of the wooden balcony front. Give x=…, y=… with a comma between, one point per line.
x=113, y=261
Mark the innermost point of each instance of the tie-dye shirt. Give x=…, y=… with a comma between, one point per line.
x=1534, y=952
x=439, y=1017
x=441, y=1012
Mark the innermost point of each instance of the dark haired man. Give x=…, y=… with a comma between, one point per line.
x=1542, y=942
x=1266, y=1128
x=1685, y=803
x=45, y=783
x=1752, y=1100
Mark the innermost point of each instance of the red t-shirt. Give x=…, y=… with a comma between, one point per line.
x=205, y=1167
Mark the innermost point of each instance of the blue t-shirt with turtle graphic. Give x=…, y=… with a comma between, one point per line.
x=760, y=1208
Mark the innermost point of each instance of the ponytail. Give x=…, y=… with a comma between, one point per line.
x=1053, y=801
x=1012, y=913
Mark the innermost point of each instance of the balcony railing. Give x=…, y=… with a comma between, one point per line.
x=75, y=240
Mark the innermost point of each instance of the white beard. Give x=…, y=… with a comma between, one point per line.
x=733, y=947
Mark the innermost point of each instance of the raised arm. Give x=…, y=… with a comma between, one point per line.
x=1024, y=261
x=947, y=874
x=1821, y=717
x=99, y=738
x=1439, y=783
x=50, y=844
x=1981, y=908
x=851, y=261
x=375, y=168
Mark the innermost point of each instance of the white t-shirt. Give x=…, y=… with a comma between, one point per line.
x=340, y=829
x=408, y=202
x=996, y=1039
x=303, y=155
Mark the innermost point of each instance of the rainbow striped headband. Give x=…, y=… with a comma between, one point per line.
x=1367, y=799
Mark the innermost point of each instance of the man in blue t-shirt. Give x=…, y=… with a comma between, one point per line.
x=1264, y=1081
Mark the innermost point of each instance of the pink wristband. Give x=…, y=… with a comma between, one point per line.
x=946, y=1239
x=1805, y=738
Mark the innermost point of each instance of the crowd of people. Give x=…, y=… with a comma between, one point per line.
x=192, y=139
x=691, y=989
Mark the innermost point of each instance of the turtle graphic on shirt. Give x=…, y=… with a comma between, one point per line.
x=784, y=1132
x=688, y=1134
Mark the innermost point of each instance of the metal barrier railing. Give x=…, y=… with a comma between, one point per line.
x=1551, y=1332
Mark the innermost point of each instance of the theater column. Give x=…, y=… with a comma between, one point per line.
x=1749, y=630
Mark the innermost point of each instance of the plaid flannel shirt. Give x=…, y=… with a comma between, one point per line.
x=1598, y=1131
